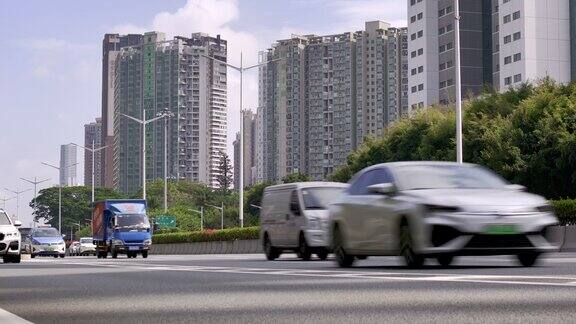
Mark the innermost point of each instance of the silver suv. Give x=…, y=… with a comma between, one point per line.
x=9, y=239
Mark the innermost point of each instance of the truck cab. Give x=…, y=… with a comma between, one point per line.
x=121, y=227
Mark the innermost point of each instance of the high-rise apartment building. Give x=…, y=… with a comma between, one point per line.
x=110, y=48
x=93, y=139
x=502, y=44
x=249, y=122
x=160, y=74
x=324, y=94
x=68, y=165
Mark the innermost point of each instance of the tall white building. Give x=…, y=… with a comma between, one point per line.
x=93, y=139
x=68, y=165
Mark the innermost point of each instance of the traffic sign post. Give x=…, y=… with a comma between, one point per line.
x=166, y=221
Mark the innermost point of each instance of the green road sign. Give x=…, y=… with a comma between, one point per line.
x=166, y=221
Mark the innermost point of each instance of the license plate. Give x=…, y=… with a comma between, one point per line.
x=131, y=248
x=502, y=229
x=49, y=248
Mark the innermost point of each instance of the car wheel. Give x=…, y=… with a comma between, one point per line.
x=343, y=259
x=16, y=258
x=32, y=256
x=322, y=254
x=411, y=258
x=304, y=252
x=528, y=259
x=144, y=254
x=114, y=254
x=62, y=256
x=6, y=259
x=445, y=260
x=270, y=251
x=55, y=256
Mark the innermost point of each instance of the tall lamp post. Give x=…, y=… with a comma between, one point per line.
x=35, y=182
x=241, y=69
x=143, y=122
x=201, y=212
x=221, y=209
x=4, y=200
x=59, y=191
x=165, y=114
x=93, y=150
x=17, y=192
x=458, y=83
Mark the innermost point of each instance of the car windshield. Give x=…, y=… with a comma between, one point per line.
x=4, y=220
x=417, y=177
x=132, y=221
x=86, y=240
x=46, y=232
x=320, y=198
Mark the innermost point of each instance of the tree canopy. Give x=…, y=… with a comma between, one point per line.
x=527, y=135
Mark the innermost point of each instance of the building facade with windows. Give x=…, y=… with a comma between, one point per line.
x=68, y=165
x=93, y=139
x=160, y=74
x=323, y=95
x=250, y=124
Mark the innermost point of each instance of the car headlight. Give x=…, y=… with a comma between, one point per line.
x=147, y=242
x=117, y=242
x=545, y=209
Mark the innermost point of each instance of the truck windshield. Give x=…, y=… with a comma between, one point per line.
x=132, y=221
x=320, y=198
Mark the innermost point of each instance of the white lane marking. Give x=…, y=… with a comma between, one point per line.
x=388, y=276
x=7, y=317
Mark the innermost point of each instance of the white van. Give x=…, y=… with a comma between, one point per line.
x=294, y=217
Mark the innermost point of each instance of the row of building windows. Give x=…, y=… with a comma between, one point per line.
x=446, y=47
x=417, y=53
x=419, y=35
x=509, y=18
x=416, y=17
x=417, y=88
x=517, y=78
x=517, y=57
x=417, y=70
x=445, y=65
x=444, y=30
x=413, y=2
x=447, y=83
x=418, y=105
x=445, y=11
x=514, y=37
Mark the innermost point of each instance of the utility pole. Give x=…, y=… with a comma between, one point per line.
x=201, y=212
x=93, y=150
x=4, y=200
x=35, y=182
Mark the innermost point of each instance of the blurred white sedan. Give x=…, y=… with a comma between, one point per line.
x=87, y=246
x=437, y=210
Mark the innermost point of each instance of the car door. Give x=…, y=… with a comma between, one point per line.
x=294, y=219
x=379, y=212
x=352, y=213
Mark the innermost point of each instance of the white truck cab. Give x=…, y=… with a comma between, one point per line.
x=9, y=238
x=294, y=217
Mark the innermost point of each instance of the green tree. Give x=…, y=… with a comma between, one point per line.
x=224, y=177
x=85, y=231
x=296, y=177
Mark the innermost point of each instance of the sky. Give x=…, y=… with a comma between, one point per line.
x=50, y=63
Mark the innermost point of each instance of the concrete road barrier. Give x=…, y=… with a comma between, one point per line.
x=216, y=247
x=564, y=236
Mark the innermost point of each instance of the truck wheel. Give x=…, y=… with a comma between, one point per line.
x=322, y=254
x=62, y=256
x=144, y=254
x=32, y=255
x=528, y=259
x=55, y=256
x=6, y=259
x=271, y=252
x=114, y=255
x=16, y=258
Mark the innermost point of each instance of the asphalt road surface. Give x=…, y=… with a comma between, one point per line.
x=248, y=289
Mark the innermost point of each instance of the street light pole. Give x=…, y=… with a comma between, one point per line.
x=165, y=114
x=143, y=122
x=17, y=193
x=4, y=200
x=35, y=182
x=221, y=214
x=458, y=83
x=93, y=150
x=240, y=69
x=59, y=191
x=201, y=212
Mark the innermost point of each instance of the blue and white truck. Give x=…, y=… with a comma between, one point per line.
x=121, y=227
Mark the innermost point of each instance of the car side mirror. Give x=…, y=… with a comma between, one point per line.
x=516, y=187
x=382, y=188
x=17, y=223
x=295, y=209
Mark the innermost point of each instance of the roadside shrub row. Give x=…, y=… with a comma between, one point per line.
x=232, y=234
x=565, y=210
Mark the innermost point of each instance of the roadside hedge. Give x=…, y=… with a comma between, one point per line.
x=565, y=210
x=232, y=234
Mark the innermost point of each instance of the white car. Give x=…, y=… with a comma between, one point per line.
x=9, y=239
x=294, y=217
x=86, y=246
x=438, y=210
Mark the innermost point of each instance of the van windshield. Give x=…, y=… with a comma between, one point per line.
x=320, y=198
